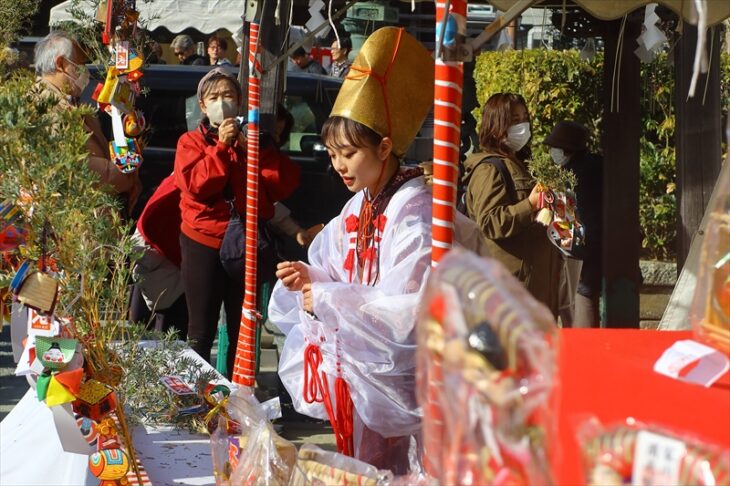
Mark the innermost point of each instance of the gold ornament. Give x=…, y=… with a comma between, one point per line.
x=390, y=87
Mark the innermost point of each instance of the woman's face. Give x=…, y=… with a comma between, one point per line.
x=222, y=90
x=519, y=113
x=214, y=51
x=360, y=167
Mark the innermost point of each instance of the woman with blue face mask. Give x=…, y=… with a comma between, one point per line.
x=502, y=198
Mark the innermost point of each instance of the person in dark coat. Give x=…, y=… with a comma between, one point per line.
x=302, y=62
x=184, y=49
x=568, y=143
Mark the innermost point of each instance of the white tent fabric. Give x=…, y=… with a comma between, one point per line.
x=207, y=16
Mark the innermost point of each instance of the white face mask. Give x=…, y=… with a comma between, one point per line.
x=518, y=135
x=219, y=110
x=558, y=156
x=81, y=81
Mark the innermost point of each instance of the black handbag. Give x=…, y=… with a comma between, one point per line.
x=233, y=247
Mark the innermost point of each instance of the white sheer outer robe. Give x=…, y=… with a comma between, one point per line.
x=370, y=328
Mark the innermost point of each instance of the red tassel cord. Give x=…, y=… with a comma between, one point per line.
x=316, y=389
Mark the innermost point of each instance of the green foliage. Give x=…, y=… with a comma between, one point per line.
x=14, y=18
x=147, y=399
x=558, y=85
x=43, y=162
x=551, y=175
x=87, y=30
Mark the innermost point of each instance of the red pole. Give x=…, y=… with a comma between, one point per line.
x=449, y=80
x=244, y=368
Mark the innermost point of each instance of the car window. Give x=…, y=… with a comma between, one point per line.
x=310, y=103
x=193, y=113
x=166, y=112
x=305, y=122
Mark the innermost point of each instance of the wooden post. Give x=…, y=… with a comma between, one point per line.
x=274, y=79
x=698, y=136
x=620, y=143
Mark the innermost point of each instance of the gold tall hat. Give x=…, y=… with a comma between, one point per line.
x=390, y=87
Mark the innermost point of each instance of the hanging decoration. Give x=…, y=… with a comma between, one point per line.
x=652, y=37
x=116, y=96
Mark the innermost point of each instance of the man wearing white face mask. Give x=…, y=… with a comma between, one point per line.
x=568, y=144
x=59, y=65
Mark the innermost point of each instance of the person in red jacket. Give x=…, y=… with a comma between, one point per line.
x=210, y=168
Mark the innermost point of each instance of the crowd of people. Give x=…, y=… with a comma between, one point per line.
x=300, y=60
x=349, y=311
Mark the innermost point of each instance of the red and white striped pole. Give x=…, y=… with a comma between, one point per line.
x=449, y=79
x=244, y=367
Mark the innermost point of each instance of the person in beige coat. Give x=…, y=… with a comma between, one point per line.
x=502, y=198
x=61, y=73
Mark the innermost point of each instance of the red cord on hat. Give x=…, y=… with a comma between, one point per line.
x=382, y=79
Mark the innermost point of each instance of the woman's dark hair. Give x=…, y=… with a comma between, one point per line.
x=283, y=114
x=346, y=43
x=222, y=43
x=340, y=132
x=496, y=120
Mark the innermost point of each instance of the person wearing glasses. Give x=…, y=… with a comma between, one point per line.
x=217, y=47
x=184, y=48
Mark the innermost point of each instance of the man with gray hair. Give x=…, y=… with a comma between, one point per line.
x=62, y=75
x=184, y=48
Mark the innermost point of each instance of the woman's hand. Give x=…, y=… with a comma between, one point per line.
x=304, y=238
x=308, y=301
x=294, y=275
x=242, y=140
x=228, y=131
x=534, y=197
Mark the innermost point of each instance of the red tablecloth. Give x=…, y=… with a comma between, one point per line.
x=608, y=373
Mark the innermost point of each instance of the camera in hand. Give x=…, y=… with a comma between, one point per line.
x=242, y=124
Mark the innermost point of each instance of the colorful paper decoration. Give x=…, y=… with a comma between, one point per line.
x=127, y=159
x=20, y=274
x=71, y=380
x=134, y=124
x=38, y=290
x=122, y=95
x=109, y=464
x=57, y=394
x=41, y=385
x=95, y=400
x=89, y=429
x=121, y=53
x=564, y=229
x=42, y=325
x=55, y=353
x=27, y=357
x=12, y=234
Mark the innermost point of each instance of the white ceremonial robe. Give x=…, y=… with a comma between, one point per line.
x=370, y=328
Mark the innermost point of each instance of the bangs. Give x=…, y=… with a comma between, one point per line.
x=339, y=132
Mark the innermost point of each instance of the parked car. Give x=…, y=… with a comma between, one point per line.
x=170, y=107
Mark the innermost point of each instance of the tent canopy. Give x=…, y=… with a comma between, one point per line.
x=717, y=10
x=206, y=16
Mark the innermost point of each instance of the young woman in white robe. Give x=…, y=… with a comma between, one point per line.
x=349, y=315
